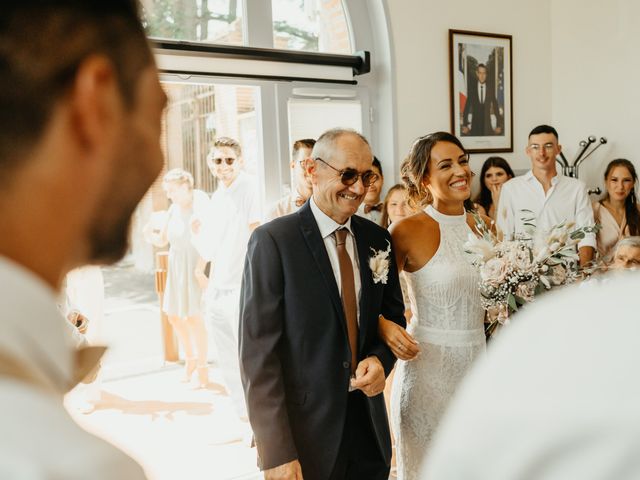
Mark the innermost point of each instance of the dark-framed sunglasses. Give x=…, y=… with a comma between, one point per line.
x=228, y=160
x=349, y=176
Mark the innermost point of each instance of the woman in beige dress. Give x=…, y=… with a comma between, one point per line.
x=617, y=212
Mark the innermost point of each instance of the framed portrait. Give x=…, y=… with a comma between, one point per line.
x=481, y=85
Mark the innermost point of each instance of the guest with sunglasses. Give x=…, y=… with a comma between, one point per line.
x=300, y=184
x=221, y=237
x=371, y=207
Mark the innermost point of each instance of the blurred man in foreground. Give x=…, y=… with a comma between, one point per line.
x=80, y=113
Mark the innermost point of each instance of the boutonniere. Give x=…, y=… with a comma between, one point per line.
x=379, y=264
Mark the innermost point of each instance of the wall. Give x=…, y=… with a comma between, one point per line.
x=596, y=66
x=420, y=46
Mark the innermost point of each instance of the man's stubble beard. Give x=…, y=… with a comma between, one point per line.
x=109, y=242
x=109, y=234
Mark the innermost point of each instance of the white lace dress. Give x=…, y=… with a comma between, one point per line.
x=448, y=323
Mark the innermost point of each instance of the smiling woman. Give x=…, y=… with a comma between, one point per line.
x=447, y=323
x=617, y=212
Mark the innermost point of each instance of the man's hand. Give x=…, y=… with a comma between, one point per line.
x=369, y=377
x=465, y=129
x=287, y=471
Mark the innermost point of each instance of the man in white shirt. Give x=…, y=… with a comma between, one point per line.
x=549, y=197
x=371, y=207
x=80, y=123
x=556, y=396
x=222, y=239
x=301, y=186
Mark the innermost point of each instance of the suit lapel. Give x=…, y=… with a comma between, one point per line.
x=311, y=234
x=363, y=246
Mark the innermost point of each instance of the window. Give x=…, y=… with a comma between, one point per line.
x=311, y=25
x=206, y=21
x=302, y=25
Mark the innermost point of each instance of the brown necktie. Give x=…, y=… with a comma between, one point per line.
x=348, y=294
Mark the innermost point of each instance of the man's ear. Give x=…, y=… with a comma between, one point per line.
x=559, y=148
x=309, y=166
x=95, y=101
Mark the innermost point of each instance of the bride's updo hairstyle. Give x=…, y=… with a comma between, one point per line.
x=416, y=166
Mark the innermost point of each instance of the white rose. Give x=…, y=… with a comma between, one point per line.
x=558, y=275
x=521, y=259
x=494, y=271
x=526, y=291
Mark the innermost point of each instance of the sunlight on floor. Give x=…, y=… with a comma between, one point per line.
x=172, y=429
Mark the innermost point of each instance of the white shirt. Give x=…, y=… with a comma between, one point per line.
x=566, y=200
x=482, y=92
x=327, y=226
x=224, y=232
x=282, y=207
x=374, y=215
x=557, y=395
x=39, y=440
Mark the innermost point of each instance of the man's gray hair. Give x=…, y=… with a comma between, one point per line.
x=325, y=147
x=627, y=242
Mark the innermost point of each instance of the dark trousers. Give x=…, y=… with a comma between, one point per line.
x=359, y=456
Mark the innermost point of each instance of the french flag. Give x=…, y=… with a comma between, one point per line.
x=462, y=77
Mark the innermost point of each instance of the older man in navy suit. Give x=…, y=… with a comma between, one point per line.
x=315, y=284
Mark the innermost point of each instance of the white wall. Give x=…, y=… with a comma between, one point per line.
x=420, y=42
x=596, y=66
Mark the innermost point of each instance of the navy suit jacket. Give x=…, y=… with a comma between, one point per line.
x=294, y=349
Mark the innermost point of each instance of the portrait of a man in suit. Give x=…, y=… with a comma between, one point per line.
x=313, y=365
x=481, y=114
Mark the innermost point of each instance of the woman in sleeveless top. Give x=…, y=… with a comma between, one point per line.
x=617, y=212
x=183, y=292
x=446, y=333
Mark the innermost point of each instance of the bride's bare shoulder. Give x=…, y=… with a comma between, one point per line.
x=413, y=225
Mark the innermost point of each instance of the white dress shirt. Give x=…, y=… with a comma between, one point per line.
x=374, y=215
x=39, y=440
x=327, y=226
x=224, y=232
x=482, y=92
x=556, y=396
x=566, y=200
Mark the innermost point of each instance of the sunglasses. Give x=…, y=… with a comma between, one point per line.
x=349, y=176
x=228, y=160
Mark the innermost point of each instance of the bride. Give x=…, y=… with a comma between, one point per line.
x=446, y=332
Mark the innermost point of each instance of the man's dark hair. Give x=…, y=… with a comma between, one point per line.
x=302, y=143
x=544, y=129
x=42, y=44
x=481, y=65
x=376, y=163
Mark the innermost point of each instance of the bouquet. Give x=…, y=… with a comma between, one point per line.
x=514, y=272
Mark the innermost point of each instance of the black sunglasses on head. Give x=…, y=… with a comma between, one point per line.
x=349, y=176
x=228, y=160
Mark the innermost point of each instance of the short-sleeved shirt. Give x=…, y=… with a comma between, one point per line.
x=225, y=230
x=566, y=200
